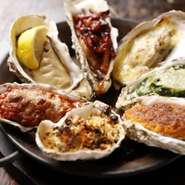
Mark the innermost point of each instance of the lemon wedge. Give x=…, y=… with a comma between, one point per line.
x=30, y=46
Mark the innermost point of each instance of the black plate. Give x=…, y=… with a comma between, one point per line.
x=130, y=159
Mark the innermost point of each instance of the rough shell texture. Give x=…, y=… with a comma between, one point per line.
x=129, y=95
x=83, y=153
x=140, y=134
x=164, y=35
x=56, y=66
x=85, y=7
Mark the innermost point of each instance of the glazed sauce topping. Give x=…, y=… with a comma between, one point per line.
x=29, y=106
x=94, y=31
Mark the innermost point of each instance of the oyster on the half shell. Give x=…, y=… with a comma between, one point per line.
x=94, y=40
x=92, y=131
x=158, y=121
x=148, y=44
x=26, y=105
x=55, y=66
x=166, y=80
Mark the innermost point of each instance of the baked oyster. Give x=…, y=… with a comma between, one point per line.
x=38, y=56
x=26, y=105
x=166, y=80
x=94, y=40
x=158, y=121
x=92, y=131
x=148, y=44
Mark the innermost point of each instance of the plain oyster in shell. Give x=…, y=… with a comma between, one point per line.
x=56, y=67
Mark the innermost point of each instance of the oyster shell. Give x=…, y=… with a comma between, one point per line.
x=56, y=67
x=157, y=121
x=166, y=80
x=26, y=105
x=89, y=132
x=148, y=44
x=94, y=40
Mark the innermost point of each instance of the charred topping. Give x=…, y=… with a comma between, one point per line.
x=68, y=122
x=107, y=111
x=113, y=117
x=79, y=133
x=88, y=137
x=95, y=33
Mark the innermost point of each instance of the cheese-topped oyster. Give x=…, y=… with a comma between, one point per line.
x=158, y=121
x=149, y=44
x=92, y=131
x=38, y=56
x=26, y=105
x=167, y=80
x=94, y=40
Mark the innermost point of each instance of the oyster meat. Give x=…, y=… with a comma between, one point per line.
x=158, y=121
x=52, y=64
x=94, y=40
x=92, y=131
x=148, y=45
x=166, y=80
x=26, y=105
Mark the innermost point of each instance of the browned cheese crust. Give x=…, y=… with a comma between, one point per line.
x=164, y=118
x=98, y=131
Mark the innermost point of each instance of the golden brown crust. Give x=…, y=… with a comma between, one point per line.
x=98, y=131
x=164, y=118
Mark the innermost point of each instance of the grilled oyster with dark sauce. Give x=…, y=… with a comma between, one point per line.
x=94, y=40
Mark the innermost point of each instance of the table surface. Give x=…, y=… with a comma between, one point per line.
x=11, y=9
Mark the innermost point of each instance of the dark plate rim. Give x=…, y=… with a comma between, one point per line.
x=126, y=174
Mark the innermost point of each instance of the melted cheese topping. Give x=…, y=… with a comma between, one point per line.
x=146, y=51
x=166, y=117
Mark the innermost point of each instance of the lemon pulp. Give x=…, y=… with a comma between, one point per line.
x=30, y=46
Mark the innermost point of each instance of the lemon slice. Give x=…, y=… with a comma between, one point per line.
x=30, y=46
